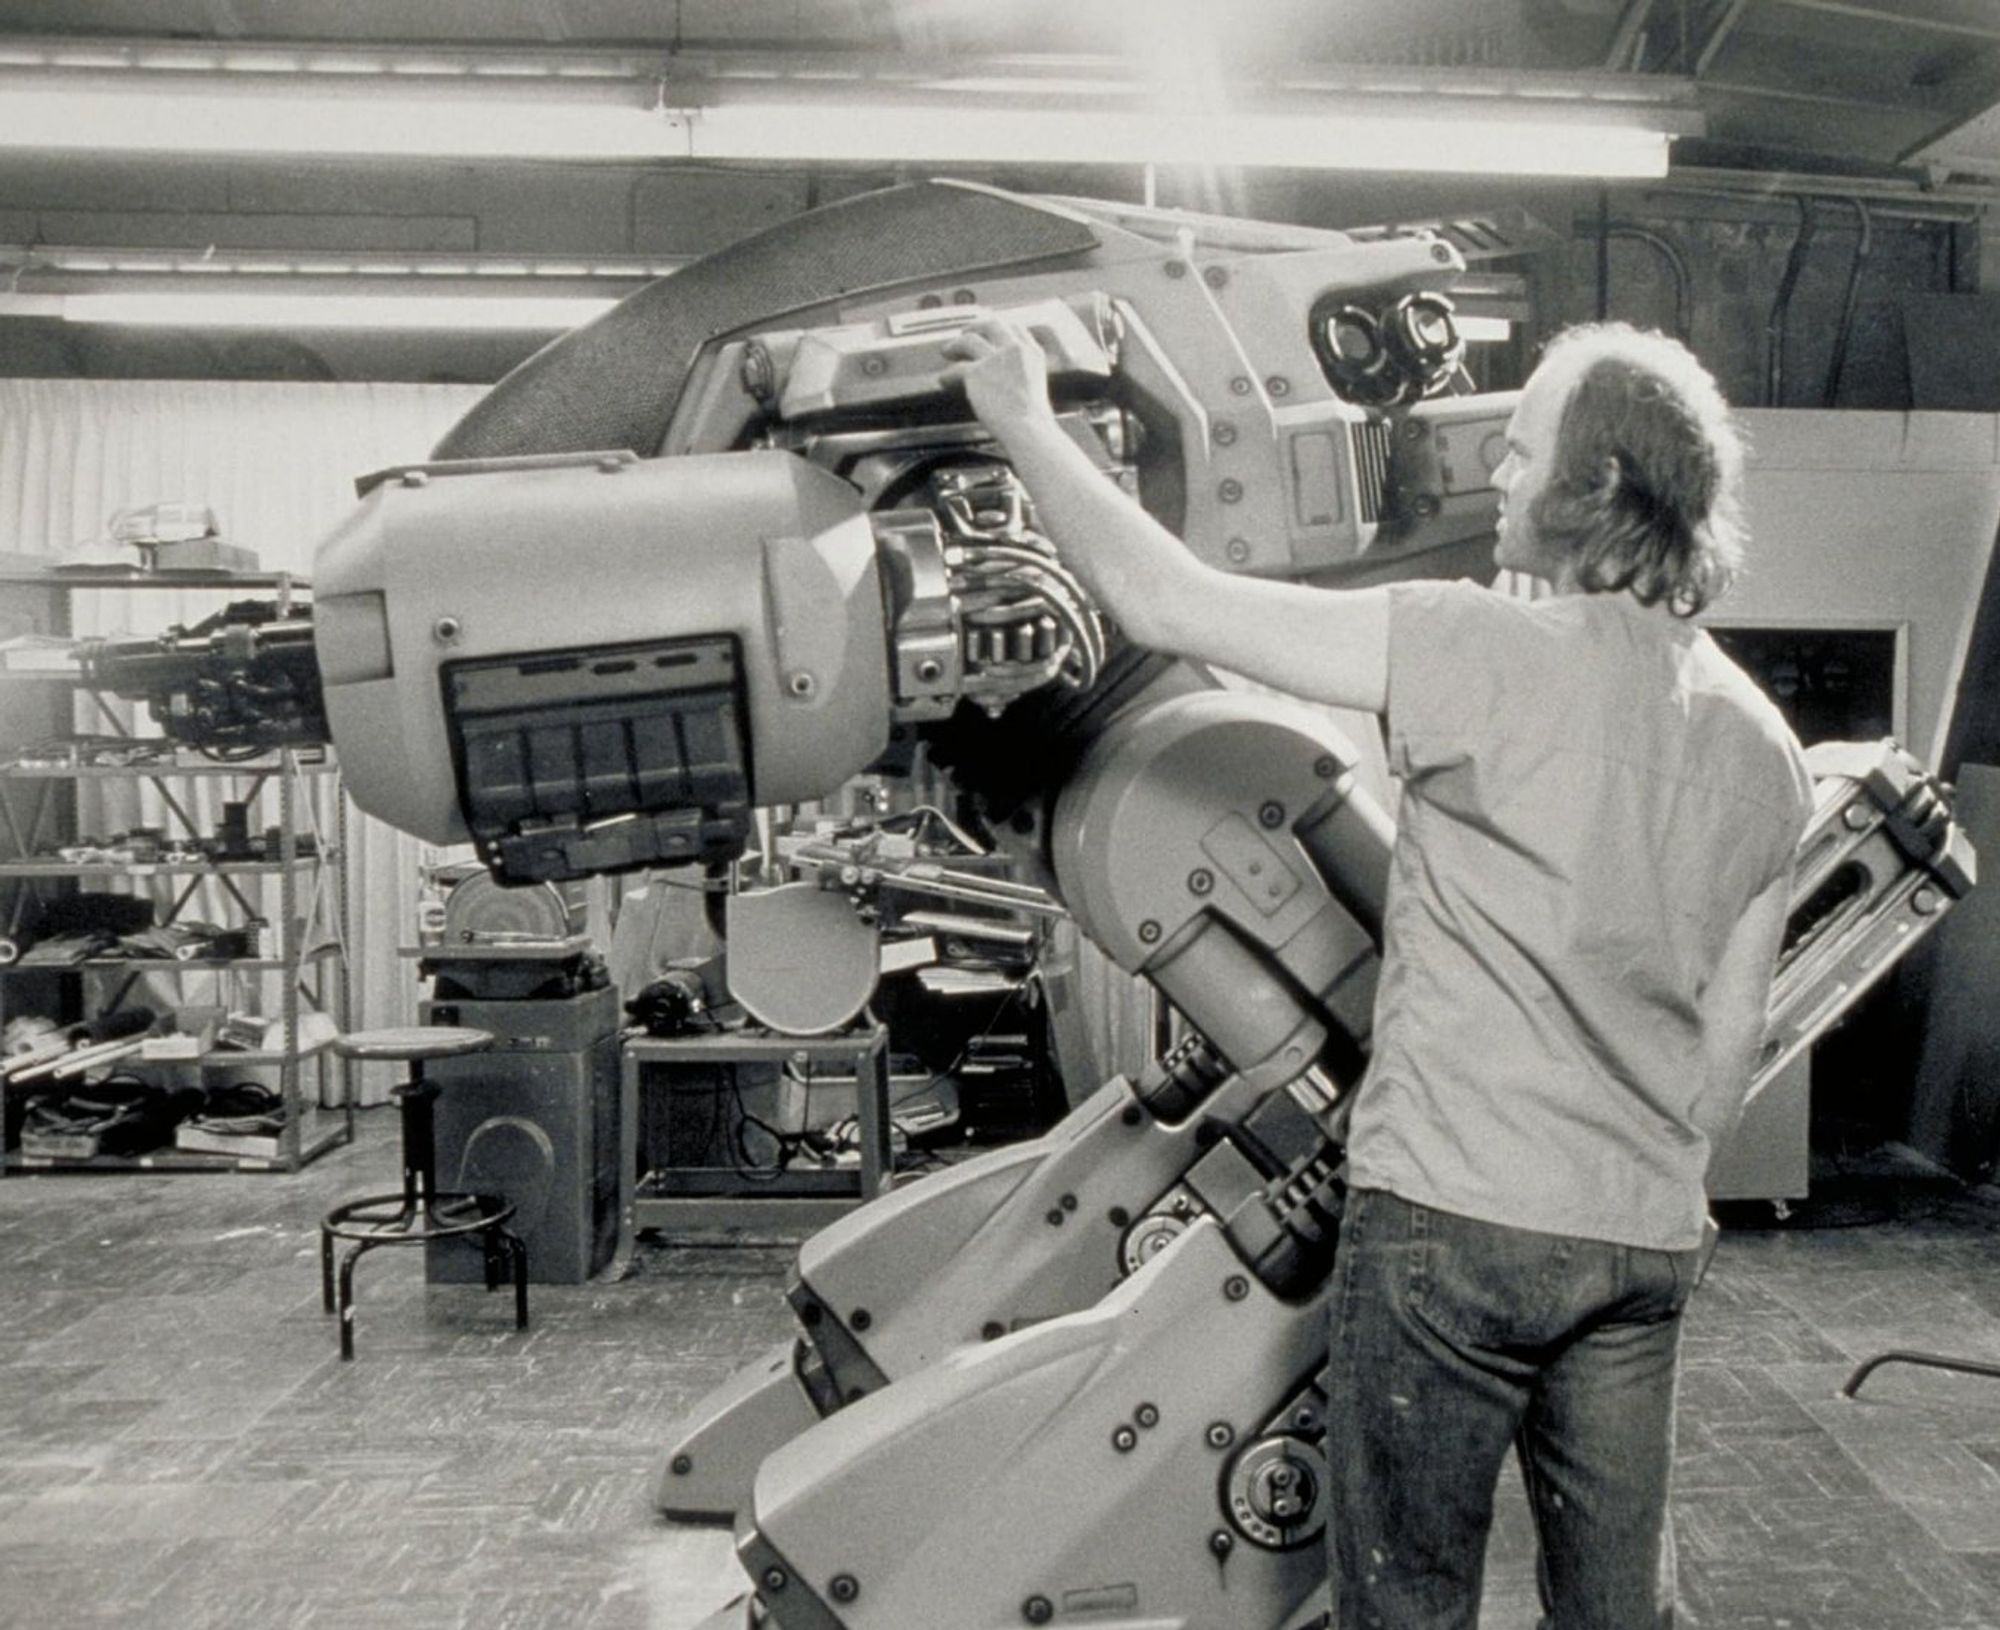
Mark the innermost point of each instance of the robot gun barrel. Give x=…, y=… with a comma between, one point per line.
x=244, y=679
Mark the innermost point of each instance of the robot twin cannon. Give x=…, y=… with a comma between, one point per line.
x=1070, y=1380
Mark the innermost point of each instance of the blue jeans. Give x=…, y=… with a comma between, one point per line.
x=1454, y=1338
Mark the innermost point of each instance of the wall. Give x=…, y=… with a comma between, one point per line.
x=1873, y=517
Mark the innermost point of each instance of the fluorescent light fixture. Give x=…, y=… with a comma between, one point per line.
x=235, y=309
x=1495, y=145
x=329, y=120
x=954, y=116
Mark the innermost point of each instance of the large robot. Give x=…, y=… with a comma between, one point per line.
x=733, y=545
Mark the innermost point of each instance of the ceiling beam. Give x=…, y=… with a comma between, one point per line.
x=1718, y=36
x=1779, y=93
x=1637, y=14
x=1899, y=19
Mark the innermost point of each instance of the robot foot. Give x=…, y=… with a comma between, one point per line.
x=712, y=1463
x=1102, y=1466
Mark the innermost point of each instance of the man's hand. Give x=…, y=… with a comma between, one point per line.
x=1004, y=374
x=1326, y=645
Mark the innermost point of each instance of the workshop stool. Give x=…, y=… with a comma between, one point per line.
x=420, y=1213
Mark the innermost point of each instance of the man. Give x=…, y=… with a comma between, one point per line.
x=1588, y=891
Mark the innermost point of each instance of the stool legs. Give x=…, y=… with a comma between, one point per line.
x=496, y=1238
x=422, y=1214
x=351, y=1256
x=518, y=1247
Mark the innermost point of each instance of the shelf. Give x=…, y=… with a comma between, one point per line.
x=179, y=1160
x=199, y=767
x=160, y=868
x=223, y=1057
x=134, y=577
x=217, y=1058
x=193, y=964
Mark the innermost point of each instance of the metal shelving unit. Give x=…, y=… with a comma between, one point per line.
x=305, y=937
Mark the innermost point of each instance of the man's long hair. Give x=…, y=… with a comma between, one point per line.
x=1646, y=489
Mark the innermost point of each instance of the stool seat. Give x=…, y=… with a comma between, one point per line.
x=412, y=1043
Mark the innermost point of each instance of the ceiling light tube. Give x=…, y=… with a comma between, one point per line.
x=1408, y=142
x=232, y=309
x=804, y=119
x=363, y=120
x=169, y=308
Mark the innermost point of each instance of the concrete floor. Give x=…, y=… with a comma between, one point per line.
x=180, y=1447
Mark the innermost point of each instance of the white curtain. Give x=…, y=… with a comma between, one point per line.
x=277, y=463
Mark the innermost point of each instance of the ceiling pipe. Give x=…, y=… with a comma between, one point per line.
x=1677, y=264
x=1774, y=326
x=1838, y=366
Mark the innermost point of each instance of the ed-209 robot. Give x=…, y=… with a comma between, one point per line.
x=1072, y=1380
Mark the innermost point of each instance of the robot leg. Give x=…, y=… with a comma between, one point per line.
x=1016, y=1236
x=1154, y=1462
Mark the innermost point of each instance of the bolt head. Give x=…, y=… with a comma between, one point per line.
x=681, y=1465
